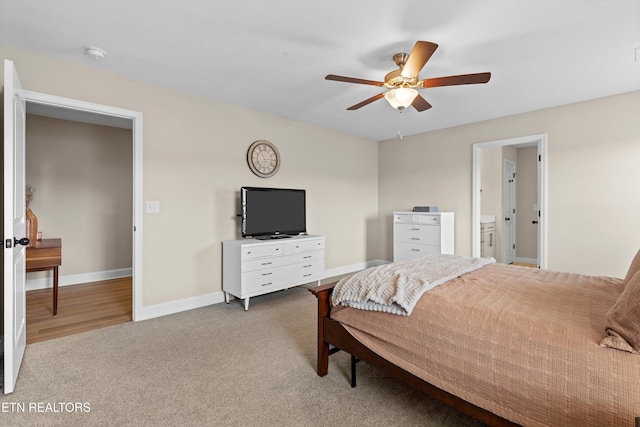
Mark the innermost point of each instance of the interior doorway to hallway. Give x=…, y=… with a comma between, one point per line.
x=538, y=208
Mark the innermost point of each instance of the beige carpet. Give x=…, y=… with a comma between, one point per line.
x=214, y=366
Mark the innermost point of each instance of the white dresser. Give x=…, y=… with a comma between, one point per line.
x=422, y=233
x=252, y=267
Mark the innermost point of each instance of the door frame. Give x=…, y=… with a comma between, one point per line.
x=114, y=113
x=539, y=140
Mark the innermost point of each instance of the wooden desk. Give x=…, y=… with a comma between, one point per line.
x=46, y=255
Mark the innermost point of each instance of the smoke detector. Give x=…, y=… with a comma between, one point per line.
x=95, y=52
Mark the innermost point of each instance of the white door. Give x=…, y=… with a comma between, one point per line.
x=15, y=296
x=509, y=212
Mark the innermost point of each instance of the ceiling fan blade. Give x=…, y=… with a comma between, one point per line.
x=420, y=104
x=462, y=79
x=366, y=101
x=419, y=56
x=353, y=80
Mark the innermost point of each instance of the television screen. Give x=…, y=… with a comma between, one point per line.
x=272, y=212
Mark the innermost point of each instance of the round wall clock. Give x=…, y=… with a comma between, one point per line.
x=263, y=158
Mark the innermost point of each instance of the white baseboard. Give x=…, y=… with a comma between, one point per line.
x=527, y=260
x=172, y=307
x=75, y=279
x=348, y=269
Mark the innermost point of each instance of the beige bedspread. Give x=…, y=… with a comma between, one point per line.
x=522, y=343
x=397, y=287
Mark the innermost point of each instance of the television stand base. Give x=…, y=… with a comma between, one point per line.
x=275, y=236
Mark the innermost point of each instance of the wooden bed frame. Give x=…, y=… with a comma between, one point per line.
x=332, y=337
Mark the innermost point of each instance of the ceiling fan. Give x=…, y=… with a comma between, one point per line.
x=403, y=82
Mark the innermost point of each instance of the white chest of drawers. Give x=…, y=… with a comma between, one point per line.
x=252, y=267
x=417, y=234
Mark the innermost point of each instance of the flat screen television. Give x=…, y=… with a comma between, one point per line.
x=273, y=212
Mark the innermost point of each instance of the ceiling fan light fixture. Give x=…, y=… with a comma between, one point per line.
x=401, y=98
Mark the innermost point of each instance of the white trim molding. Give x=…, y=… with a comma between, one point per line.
x=172, y=307
x=348, y=269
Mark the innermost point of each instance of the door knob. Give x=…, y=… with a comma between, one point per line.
x=507, y=219
x=534, y=222
x=24, y=241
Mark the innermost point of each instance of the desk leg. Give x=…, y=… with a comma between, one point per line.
x=55, y=290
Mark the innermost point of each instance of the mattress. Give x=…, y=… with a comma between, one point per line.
x=522, y=343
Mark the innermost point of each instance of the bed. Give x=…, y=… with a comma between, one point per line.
x=507, y=345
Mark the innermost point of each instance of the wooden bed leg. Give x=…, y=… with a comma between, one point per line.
x=323, y=293
x=354, y=360
x=637, y=421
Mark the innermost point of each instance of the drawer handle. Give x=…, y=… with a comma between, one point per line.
x=416, y=250
x=308, y=256
x=267, y=284
x=415, y=229
x=307, y=266
x=415, y=238
x=267, y=274
x=307, y=275
x=267, y=263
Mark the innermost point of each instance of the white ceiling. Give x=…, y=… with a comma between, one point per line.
x=272, y=55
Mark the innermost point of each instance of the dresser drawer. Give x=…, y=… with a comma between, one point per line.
x=308, y=270
x=305, y=257
x=262, y=263
x=403, y=250
x=417, y=233
x=422, y=218
x=250, y=252
x=263, y=279
x=305, y=246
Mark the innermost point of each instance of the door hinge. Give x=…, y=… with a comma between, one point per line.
x=514, y=210
x=514, y=175
x=539, y=157
x=8, y=243
x=514, y=246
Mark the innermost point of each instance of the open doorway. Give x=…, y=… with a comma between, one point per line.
x=508, y=149
x=81, y=181
x=89, y=117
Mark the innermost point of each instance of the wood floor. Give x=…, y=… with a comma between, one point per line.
x=525, y=264
x=81, y=308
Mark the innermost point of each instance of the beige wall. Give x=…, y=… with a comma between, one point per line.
x=194, y=164
x=194, y=161
x=593, y=203
x=526, y=198
x=83, y=176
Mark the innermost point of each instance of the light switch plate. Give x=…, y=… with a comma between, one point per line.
x=153, y=206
